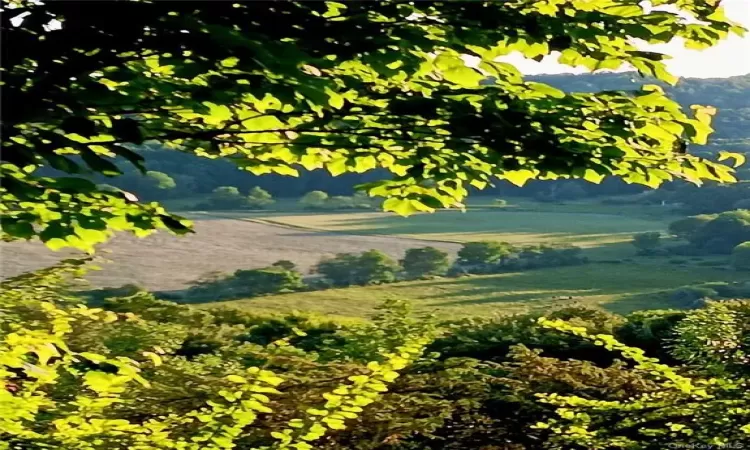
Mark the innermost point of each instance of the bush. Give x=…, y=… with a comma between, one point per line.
x=340, y=202
x=370, y=267
x=225, y=197
x=687, y=227
x=361, y=200
x=691, y=296
x=650, y=330
x=422, y=262
x=246, y=283
x=314, y=200
x=284, y=264
x=741, y=256
x=259, y=198
x=320, y=200
x=532, y=257
x=718, y=234
x=483, y=253
x=647, y=243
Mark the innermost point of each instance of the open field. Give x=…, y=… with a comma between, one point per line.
x=602, y=232
x=617, y=287
x=165, y=262
x=227, y=241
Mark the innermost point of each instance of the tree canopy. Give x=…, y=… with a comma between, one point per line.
x=275, y=87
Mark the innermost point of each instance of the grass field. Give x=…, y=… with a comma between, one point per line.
x=227, y=241
x=620, y=288
x=600, y=228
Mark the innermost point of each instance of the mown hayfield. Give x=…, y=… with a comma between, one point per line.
x=617, y=287
x=223, y=242
x=601, y=229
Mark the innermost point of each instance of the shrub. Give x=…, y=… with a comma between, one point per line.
x=483, y=252
x=650, y=330
x=321, y=200
x=687, y=227
x=284, y=264
x=647, y=243
x=246, y=283
x=659, y=398
x=340, y=202
x=225, y=197
x=361, y=200
x=691, y=296
x=741, y=256
x=79, y=378
x=259, y=198
x=532, y=257
x=370, y=267
x=715, y=339
x=724, y=232
x=314, y=200
x=421, y=262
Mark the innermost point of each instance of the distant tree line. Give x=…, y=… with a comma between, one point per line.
x=374, y=267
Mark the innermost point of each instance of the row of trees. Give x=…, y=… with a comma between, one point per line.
x=138, y=373
x=376, y=267
x=321, y=201
x=713, y=233
x=229, y=197
x=721, y=234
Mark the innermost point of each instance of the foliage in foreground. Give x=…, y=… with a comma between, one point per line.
x=142, y=374
x=82, y=378
x=254, y=85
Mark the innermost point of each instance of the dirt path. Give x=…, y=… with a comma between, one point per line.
x=166, y=262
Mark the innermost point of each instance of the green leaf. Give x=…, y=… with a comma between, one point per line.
x=660, y=72
x=229, y=62
x=285, y=170
x=91, y=237
x=593, y=176
x=56, y=244
x=463, y=76
x=623, y=11
x=337, y=166
x=697, y=131
x=739, y=158
x=546, y=89
x=518, y=177
x=335, y=99
x=236, y=379
x=217, y=114
x=401, y=206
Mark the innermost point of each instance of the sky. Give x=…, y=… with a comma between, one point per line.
x=730, y=58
